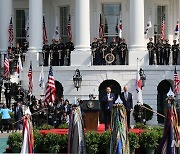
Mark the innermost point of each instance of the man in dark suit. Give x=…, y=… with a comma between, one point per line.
x=18, y=115
x=126, y=98
x=108, y=100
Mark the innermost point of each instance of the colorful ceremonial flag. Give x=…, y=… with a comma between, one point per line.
x=119, y=143
x=10, y=30
x=148, y=26
x=101, y=28
x=50, y=89
x=19, y=69
x=6, y=67
x=44, y=30
x=139, y=87
x=69, y=32
x=120, y=28
x=176, y=82
x=163, y=29
x=27, y=29
x=177, y=28
x=30, y=78
x=56, y=30
x=76, y=142
x=41, y=78
x=28, y=137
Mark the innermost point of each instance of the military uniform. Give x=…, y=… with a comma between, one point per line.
x=11, y=59
x=167, y=50
x=150, y=47
x=159, y=53
x=54, y=54
x=175, y=53
x=103, y=52
x=69, y=47
x=8, y=88
x=61, y=53
x=19, y=96
x=95, y=53
x=46, y=51
x=113, y=48
x=17, y=53
x=122, y=51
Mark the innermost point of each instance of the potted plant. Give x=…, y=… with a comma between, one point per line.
x=133, y=142
x=149, y=140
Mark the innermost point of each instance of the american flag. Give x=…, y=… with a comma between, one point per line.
x=44, y=31
x=163, y=29
x=6, y=67
x=120, y=28
x=69, y=32
x=10, y=30
x=101, y=28
x=50, y=89
x=177, y=28
x=176, y=82
x=30, y=78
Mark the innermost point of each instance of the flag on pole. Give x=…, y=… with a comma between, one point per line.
x=56, y=30
x=148, y=26
x=120, y=28
x=176, y=82
x=6, y=67
x=30, y=78
x=28, y=137
x=176, y=32
x=19, y=69
x=138, y=86
x=10, y=30
x=76, y=142
x=41, y=78
x=163, y=29
x=50, y=89
x=101, y=28
x=69, y=32
x=27, y=29
x=44, y=30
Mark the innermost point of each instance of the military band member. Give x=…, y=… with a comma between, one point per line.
x=150, y=47
x=46, y=52
x=167, y=50
x=69, y=47
x=54, y=57
x=104, y=50
x=175, y=52
x=159, y=52
x=11, y=59
x=61, y=52
x=8, y=88
x=19, y=95
x=113, y=49
x=17, y=52
x=95, y=52
x=122, y=51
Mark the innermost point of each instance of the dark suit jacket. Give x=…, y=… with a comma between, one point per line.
x=18, y=114
x=108, y=104
x=127, y=103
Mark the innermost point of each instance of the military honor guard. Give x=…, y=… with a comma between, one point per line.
x=104, y=50
x=69, y=47
x=17, y=53
x=61, y=52
x=159, y=52
x=46, y=53
x=151, y=50
x=175, y=52
x=54, y=53
x=122, y=51
x=11, y=59
x=167, y=50
x=113, y=51
x=8, y=88
x=95, y=52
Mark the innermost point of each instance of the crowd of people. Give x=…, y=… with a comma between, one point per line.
x=160, y=53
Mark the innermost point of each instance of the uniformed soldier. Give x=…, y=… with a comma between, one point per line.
x=95, y=52
x=11, y=59
x=151, y=49
x=167, y=50
x=54, y=53
x=69, y=47
x=113, y=49
x=122, y=51
x=46, y=52
x=17, y=52
x=175, y=52
x=8, y=88
x=20, y=95
x=159, y=52
x=61, y=52
x=104, y=50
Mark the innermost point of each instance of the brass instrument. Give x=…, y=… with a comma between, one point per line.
x=103, y=53
x=67, y=54
x=51, y=54
x=93, y=52
x=59, y=51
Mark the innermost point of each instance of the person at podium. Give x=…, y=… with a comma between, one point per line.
x=108, y=100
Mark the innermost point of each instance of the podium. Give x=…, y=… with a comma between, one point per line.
x=91, y=114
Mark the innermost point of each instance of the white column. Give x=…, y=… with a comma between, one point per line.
x=137, y=42
x=35, y=31
x=5, y=15
x=81, y=54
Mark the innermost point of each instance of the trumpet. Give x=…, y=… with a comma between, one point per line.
x=67, y=53
x=51, y=54
x=59, y=51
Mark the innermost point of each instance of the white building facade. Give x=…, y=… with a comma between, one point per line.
x=85, y=25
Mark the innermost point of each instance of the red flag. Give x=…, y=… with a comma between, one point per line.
x=163, y=29
x=10, y=30
x=30, y=78
x=6, y=67
x=176, y=82
x=51, y=89
x=44, y=31
x=101, y=28
x=69, y=32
